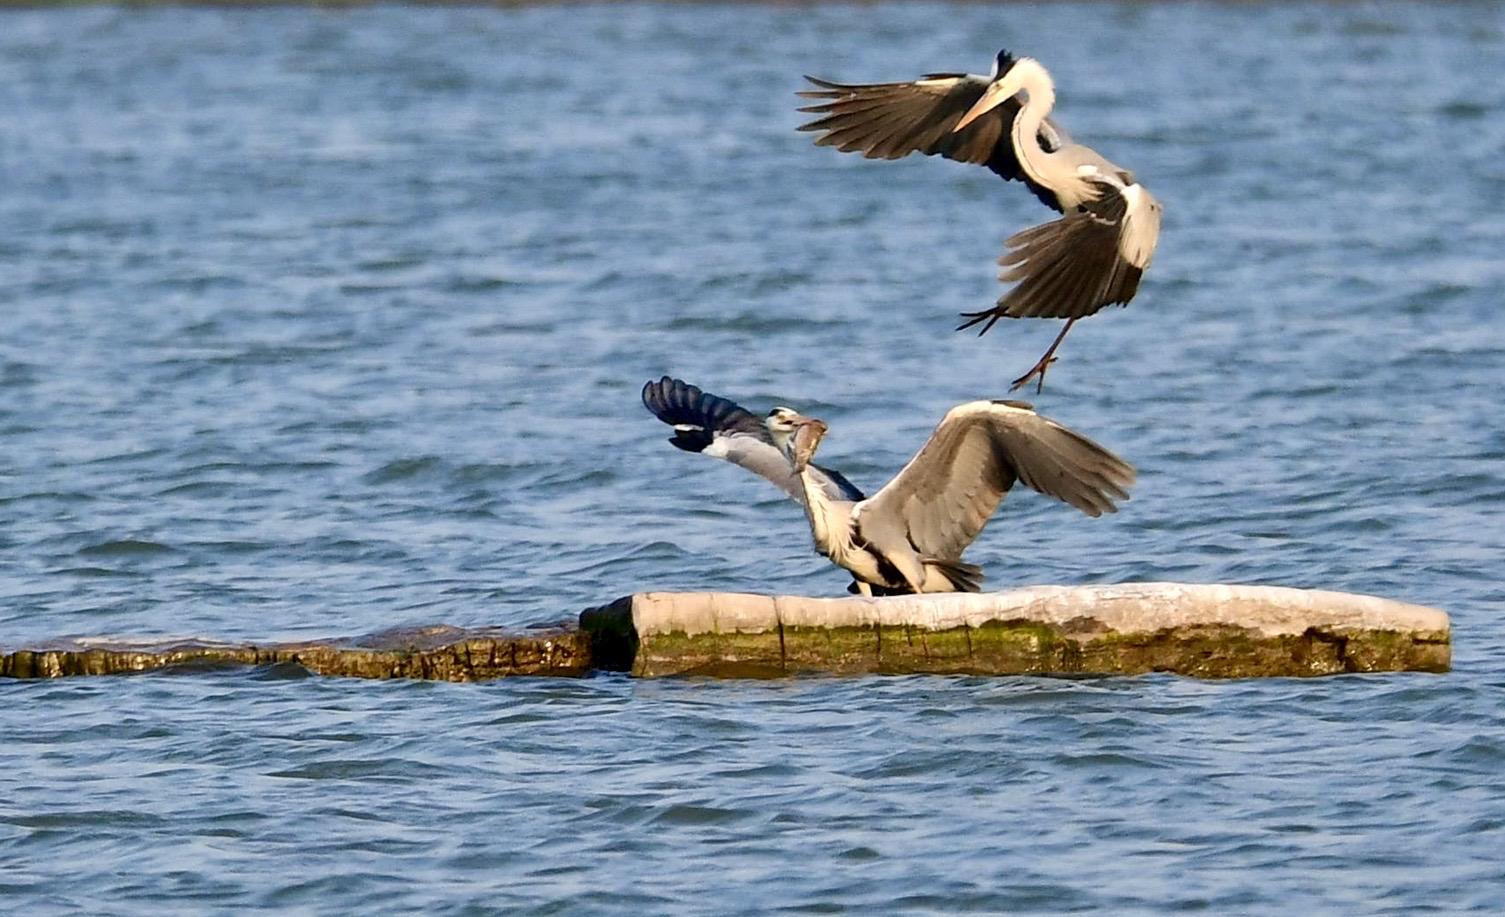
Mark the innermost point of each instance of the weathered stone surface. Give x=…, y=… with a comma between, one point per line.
x=1208, y=631
x=1212, y=631
x=440, y=653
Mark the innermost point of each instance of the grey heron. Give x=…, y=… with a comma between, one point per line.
x=911, y=534
x=721, y=428
x=1093, y=256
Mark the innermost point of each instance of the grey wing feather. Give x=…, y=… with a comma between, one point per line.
x=835, y=484
x=1073, y=266
x=724, y=429
x=1067, y=268
x=892, y=120
x=953, y=485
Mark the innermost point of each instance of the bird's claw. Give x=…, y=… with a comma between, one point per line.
x=990, y=316
x=1036, y=371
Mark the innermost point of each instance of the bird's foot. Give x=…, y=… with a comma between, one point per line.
x=991, y=316
x=1036, y=372
x=1046, y=359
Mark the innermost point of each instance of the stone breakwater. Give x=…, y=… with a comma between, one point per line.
x=1206, y=631
x=440, y=653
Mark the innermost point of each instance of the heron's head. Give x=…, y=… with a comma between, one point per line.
x=797, y=435
x=781, y=423
x=1010, y=76
x=1002, y=64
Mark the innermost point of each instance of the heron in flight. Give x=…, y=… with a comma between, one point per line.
x=1093, y=256
x=911, y=534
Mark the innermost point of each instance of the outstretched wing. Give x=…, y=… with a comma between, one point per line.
x=698, y=417
x=942, y=499
x=1076, y=265
x=723, y=429
x=892, y=120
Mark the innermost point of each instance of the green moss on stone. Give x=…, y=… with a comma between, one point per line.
x=1028, y=647
x=707, y=653
x=607, y=639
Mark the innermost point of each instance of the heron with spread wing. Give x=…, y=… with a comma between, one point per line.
x=721, y=428
x=1093, y=256
x=911, y=534
x=724, y=429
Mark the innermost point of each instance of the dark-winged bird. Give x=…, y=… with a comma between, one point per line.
x=1093, y=256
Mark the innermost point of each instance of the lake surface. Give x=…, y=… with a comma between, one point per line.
x=318, y=322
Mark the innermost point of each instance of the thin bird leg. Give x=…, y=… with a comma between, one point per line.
x=1039, y=368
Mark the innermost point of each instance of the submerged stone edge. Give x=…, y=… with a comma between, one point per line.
x=440, y=653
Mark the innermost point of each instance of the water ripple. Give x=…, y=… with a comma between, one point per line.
x=328, y=323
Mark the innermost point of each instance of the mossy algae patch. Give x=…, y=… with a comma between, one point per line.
x=1202, y=631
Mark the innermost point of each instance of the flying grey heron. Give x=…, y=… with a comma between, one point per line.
x=1091, y=257
x=911, y=534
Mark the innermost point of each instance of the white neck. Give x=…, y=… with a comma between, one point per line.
x=818, y=510
x=1034, y=80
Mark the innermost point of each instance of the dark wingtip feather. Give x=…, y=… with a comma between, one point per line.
x=666, y=399
x=658, y=397
x=696, y=414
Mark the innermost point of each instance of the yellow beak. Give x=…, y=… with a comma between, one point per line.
x=992, y=97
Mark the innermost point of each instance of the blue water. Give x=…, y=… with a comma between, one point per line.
x=318, y=322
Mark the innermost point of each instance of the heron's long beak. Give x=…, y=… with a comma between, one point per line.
x=995, y=95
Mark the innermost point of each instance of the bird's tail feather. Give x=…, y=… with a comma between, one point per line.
x=963, y=577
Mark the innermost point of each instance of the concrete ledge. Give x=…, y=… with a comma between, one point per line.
x=1205, y=631
x=1209, y=631
x=440, y=653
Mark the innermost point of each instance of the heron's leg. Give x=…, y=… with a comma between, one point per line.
x=1038, y=370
